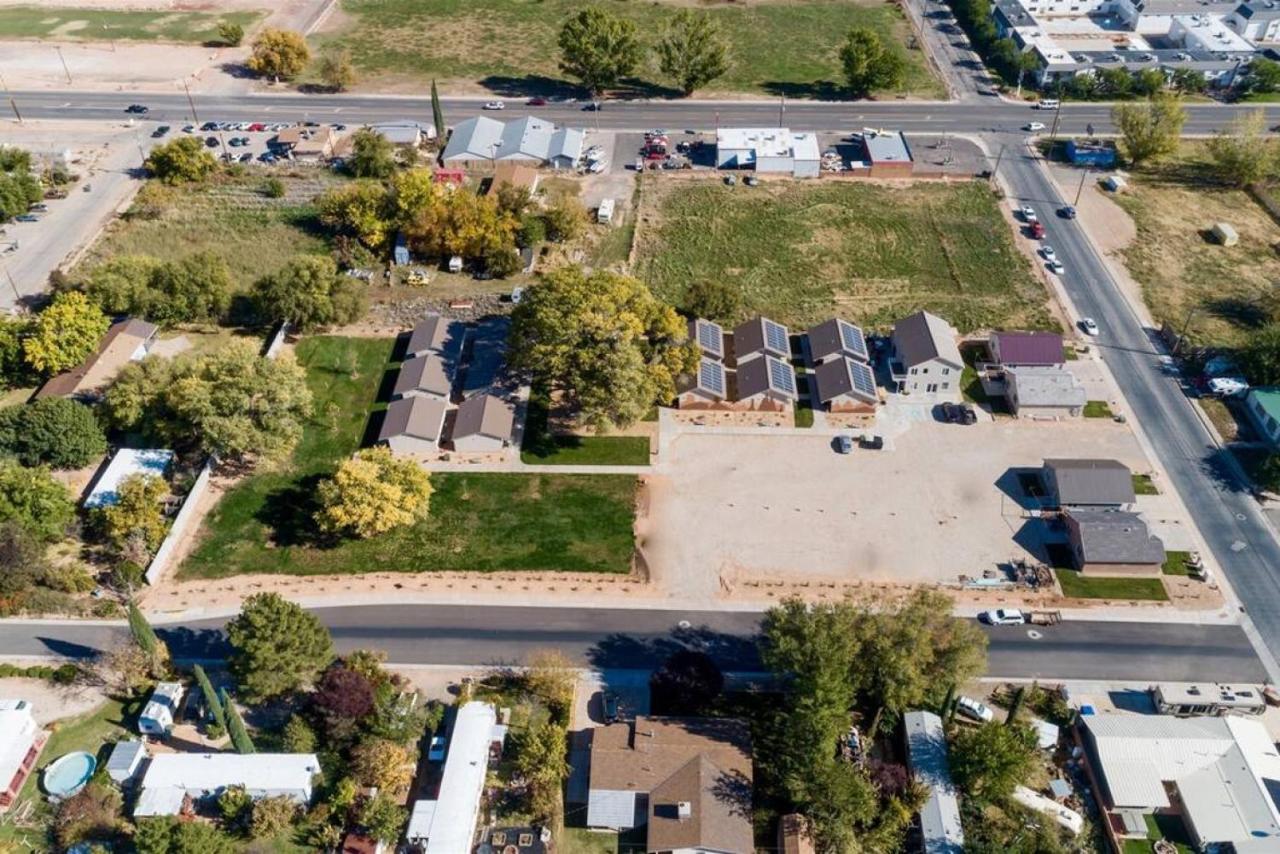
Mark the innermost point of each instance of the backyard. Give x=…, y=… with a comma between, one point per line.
x=800, y=252
x=778, y=47
x=478, y=521
x=1216, y=293
x=35, y=22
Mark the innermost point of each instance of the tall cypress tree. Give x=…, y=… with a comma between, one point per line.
x=143, y=635
x=210, y=697
x=437, y=113
x=235, y=725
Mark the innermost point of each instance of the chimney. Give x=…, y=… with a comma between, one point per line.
x=684, y=810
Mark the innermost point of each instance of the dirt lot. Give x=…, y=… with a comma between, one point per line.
x=942, y=502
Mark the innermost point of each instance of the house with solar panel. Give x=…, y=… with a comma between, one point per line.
x=707, y=389
x=925, y=360
x=836, y=339
x=709, y=337
x=846, y=385
x=761, y=336
x=766, y=383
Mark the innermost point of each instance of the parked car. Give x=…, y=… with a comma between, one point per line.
x=160, y=131
x=1036, y=230
x=26, y=217
x=1089, y=326
x=1003, y=617
x=956, y=413
x=494, y=105
x=597, y=166
x=971, y=708
x=1033, y=126
x=1055, y=267
x=235, y=142
x=609, y=703
x=1227, y=386
x=188, y=128
x=872, y=443
x=435, y=753
x=138, y=109
x=208, y=126
x=751, y=181
x=1028, y=213
x=258, y=127
x=730, y=180
x=247, y=157
x=844, y=444
x=1048, y=253
x=1067, y=212
x=211, y=141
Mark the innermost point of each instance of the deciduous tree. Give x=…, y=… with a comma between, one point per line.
x=1259, y=359
x=230, y=33
x=566, y=219
x=55, y=431
x=372, y=155
x=692, y=50
x=1244, y=153
x=550, y=676
x=22, y=561
x=182, y=160
x=358, y=208
x=599, y=49
x=1264, y=75
x=713, y=299
x=383, y=818
x=32, y=498
x=343, y=699
x=309, y=292
x=65, y=333
x=372, y=493
x=383, y=764
x=272, y=816
x=137, y=512
x=541, y=760
x=987, y=762
x=686, y=683
x=276, y=647
x=92, y=813
x=336, y=70
x=868, y=63
x=280, y=54
x=1150, y=130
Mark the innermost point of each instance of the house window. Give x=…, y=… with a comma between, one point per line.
x=931, y=388
x=946, y=371
x=915, y=371
x=946, y=386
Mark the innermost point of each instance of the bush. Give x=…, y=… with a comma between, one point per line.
x=195, y=289
x=128, y=575
x=54, y=431
x=273, y=188
x=714, y=300
x=533, y=230
x=33, y=499
x=180, y=161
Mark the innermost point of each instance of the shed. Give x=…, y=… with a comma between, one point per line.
x=1115, y=183
x=400, y=254
x=126, y=462
x=125, y=760
x=1224, y=234
x=158, y=715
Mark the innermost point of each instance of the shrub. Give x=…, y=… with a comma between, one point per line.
x=273, y=188
x=54, y=431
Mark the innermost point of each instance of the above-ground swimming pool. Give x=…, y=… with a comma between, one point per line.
x=67, y=775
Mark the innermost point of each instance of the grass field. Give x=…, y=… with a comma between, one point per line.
x=542, y=448
x=800, y=252
x=229, y=217
x=1219, y=293
x=32, y=22
x=778, y=47
x=1176, y=563
x=483, y=522
x=1144, y=485
x=1077, y=586
x=1097, y=409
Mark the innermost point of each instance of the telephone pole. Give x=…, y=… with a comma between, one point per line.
x=194, y=116
x=58, y=48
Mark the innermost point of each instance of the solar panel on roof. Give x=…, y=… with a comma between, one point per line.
x=781, y=376
x=710, y=336
x=853, y=340
x=863, y=380
x=711, y=376
x=775, y=337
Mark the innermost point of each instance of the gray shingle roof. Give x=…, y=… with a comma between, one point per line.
x=485, y=415
x=438, y=334
x=430, y=373
x=1114, y=536
x=923, y=337
x=416, y=417
x=1088, y=482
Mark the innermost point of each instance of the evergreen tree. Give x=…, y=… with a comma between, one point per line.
x=235, y=726
x=437, y=112
x=210, y=697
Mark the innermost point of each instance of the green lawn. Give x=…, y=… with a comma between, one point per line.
x=1160, y=827
x=579, y=840
x=1175, y=563
x=1077, y=586
x=541, y=448
x=1097, y=409
x=229, y=217
x=63, y=24
x=800, y=252
x=1144, y=485
x=483, y=522
x=779, y=47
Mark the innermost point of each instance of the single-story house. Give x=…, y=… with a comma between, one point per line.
x=513, y=175
x=761, y=336
x=766, y=383
x=835, y=339
x=127, y=462
x=1026, y=349
x=445, y=825
x=1263, y=405
x=705, y=389
x=775, y=150
x=488, y=356
x=1219, y=774
x=1112, y=542
x=437, y=334
x=1088, y=483
x=125, y=761
x=173, y=778
x=925, y=359
x=21, y=741
x=845, y=385
x=126, y=341
x=413, y=425
x=888, y=154
x=940, y=828
x=483, y=424
x=686, y=780
x=307, y=144
x=709, y=337
x=405, y=133
x=527, y=140
x=1044, y=392
x=430, y=376
x=158, y=714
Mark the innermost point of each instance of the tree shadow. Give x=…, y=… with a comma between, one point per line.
x=69, y=649
x=1240, y=312
x=814, y=90
x=238, y=70
x=738, y=652
x=187, y=644
x=530, y=85
x=635, y=87
x=289, y=514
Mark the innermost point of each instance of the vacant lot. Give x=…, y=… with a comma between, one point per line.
x=31, y=22
x=478, y=521
x=509, y=46
x=231, y=217
x=871, y=253
x=1223, y=291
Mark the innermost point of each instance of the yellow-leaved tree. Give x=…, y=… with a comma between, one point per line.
x=371, y=493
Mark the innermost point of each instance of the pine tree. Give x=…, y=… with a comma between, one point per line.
x=210, y=697
x=235, y=726
x=1015, y=706
x=145, y=637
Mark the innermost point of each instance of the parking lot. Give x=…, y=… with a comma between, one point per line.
x=940, y=501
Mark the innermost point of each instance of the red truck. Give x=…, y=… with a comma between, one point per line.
x=1036, y=230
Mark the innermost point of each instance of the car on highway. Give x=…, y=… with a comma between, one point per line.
x=957, y=413
x=971, y=708
x=137, y=109
x=1033, y=126
x=1036, y=231
x=435, y=753
x=1028, y=214
x=1089, y=326
x=844, y=444
x=536, y=102
x=1067, y=212
x=1055, y=267
x=592, y=107
x=1003, y=617
x=494, y=105
x=1049, y=255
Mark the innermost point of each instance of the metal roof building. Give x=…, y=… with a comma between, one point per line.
x=927, y=758
x=768, y=150
x=446, y=825
x=124, y=760
x=528, y=139
x=1027, y=349
x=172, y=777
x=126, y=462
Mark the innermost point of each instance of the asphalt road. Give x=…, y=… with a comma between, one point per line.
x=449, y=634
x=986, y=115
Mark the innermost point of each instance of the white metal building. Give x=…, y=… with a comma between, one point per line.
x=20, y=742
x=927, y=758
x=776, y=150
x=172, y=777
x=126, y=462
x=446, y=825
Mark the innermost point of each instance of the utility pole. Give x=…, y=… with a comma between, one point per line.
x=194, y=117
x=12, y=103
x=58, y=48
x=996, y=169
x=17, y=297
x=1057, y=116
x=1080, y=189
x=782, y=112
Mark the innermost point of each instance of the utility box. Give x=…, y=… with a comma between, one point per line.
x=1224, y=234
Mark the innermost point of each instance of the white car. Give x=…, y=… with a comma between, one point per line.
x=1228, y=386
x=1028, y=214
x=435, y=753
x=1003, y=617
x=1089, y=325
x=597, y=166
x=494, y=105
x=1033, y=126
x=1048, y=253
x=595, y=152
x=1055, y=267
x=971, y=708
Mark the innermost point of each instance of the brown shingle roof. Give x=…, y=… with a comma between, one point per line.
x=437, y=334
x=115, y=350
x=640, y=755
x=718, y=815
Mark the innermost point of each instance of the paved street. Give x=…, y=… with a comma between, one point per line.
x=605, y=638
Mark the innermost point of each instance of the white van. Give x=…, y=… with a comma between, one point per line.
x=455, y=264
x=1048, y=104
x=604, y=215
